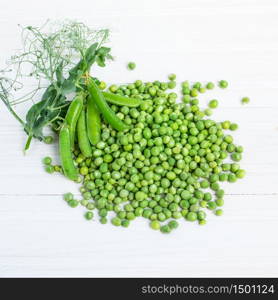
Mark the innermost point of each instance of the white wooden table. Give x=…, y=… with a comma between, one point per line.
x=200, y=40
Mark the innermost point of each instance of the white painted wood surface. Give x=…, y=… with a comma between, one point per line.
x=198, y=40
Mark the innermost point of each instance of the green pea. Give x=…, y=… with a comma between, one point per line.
x=213, y=103
x=233, y=126
x=103, y=220
x=47, y=160
x=240, y=173
x=125, y=223
x=223, y=84
x=191, y=216
x=73, y=203
x=236, y=156
x=173, y=224
x=219, y=212
x=49, y=169
x=116, y=221
x=165, y=229
x=89, y=215
x=245, y=100
x=68, y=197
x=210, y=85
x=172, y=77
x=219, y=202
x=171, y=84
x=48, y=139
x=155, y=225
x=131, y=65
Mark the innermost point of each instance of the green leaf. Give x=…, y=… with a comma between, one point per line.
x=100, y=61
x=49, y=93
x=79, y=68
x=90, y=54
x=68, y=87
x=103, y=51
x=101, y=55
x=44, y=119
x=109, y=56
x=35, y=111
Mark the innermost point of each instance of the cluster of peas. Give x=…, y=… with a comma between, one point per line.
x=167, y=166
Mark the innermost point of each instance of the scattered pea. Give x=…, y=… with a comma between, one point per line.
x=49, y=169
x=47, y=160
x=89, y=215
x=155, y=225
x=68, y=197
x=169, y=165
x=210, y=85
x=245, y=100
x=48, y=139
x=213, y=103
x=172, y=77
x=131, y=65
x=223, y=84
x=73, y=203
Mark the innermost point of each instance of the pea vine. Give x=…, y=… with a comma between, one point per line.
x=56, y=56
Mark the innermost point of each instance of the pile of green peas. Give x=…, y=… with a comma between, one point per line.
x=167, y=167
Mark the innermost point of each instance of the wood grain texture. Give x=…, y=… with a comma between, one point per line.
x=198, y=40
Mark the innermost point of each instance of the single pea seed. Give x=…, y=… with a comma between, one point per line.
x=213, y=103
x=219, y=212
x=202, y=222
x=116, y=221
x=131, y=65
x=245, y=100
x=240, y=173
x=172, y=77
x=223, y=84
x=49, y=169
x=103, y=220
x=48, y=139
x=173, y=224
x=89, y=215
x=125, y=223
x=155, y=225
x=68, y=197
x=210, y=85
x=233, y=126
x=165, y=229
x=47, y=160
x=191, y=216
x=73, y=203
x=171, y=84
x=102, y=85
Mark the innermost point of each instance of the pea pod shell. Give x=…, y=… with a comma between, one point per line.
x=72, y=116
x=121, y=100
x=93, y=121
x=82, y=136
x=104, y=108
x=65, y=152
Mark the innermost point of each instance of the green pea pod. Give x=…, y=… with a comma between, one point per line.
x=93, y=122
x=72, y=116
x=121, y=100
x=67, y=163
x=104, y=108
x=82, y=137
